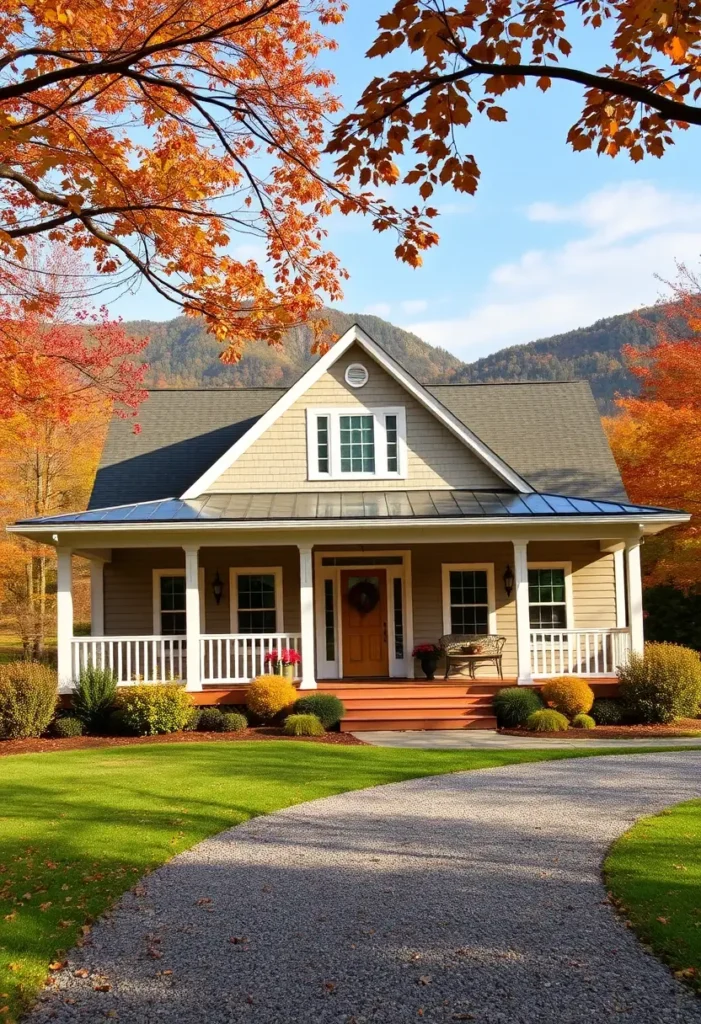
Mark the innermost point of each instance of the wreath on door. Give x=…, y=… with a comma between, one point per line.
x=364, y=596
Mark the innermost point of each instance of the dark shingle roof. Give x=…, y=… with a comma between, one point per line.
x=550, y=433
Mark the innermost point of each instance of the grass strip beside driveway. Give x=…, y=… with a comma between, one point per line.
x=654, y=874
x=78, y=828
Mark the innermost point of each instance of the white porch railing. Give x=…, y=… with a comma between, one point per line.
x=581, y=652
x=150, y=659
x=240, y=657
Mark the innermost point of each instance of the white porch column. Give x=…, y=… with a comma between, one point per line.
x=306, y=598
x=635, y=596
x=619, y=576
x=523, y=625
x=192, y=616
x=64, y=619
x=97, y=597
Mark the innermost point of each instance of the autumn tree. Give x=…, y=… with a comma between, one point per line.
x=458, y=63
x=154, y=136
x=657, y=436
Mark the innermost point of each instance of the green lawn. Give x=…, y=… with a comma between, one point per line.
x=654, y=874
x=78, y=828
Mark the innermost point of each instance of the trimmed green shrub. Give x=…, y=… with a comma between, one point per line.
x=94, y=697
x=193, y=722
x=210, y=720
x=267, y=696
x=64, y=728
x=151, y=708
x=606, y=711
x=514, y=704
x=662, y=684
x=327, y=707
x=119, y=725
x=233, y=721
x=547, y=720
x=28, y=698
x=303, y=725
x=583, y=722
x=569, y=695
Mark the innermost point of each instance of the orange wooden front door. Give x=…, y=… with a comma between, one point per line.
x=364, y=628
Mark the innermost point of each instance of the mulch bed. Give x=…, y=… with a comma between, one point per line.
x=48, y=745
x=684, y=727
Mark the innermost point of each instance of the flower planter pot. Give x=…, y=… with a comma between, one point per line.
x=287, y=671
x=429, y=663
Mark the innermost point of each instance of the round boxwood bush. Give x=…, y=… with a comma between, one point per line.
x=94, y=698
x=151, y=708
x=233, y=721
x=64, y=728
x=303, y=725
x=327, y=707
x=583, y=722
x=210, y=720
x=547, y=720
x=193, y=722
x=662, y=684
x=606, y=711
x=514, y=704
x=569, y=695
x=267, y=696
x=28, y=698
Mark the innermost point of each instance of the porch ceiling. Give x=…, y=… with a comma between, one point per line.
x=356, y=505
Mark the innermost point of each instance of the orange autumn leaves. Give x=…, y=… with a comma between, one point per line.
x=458, y=62
x=657, y=437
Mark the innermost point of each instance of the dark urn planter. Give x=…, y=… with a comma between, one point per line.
x=429, y=664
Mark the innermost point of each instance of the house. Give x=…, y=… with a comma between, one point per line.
x=350, y=517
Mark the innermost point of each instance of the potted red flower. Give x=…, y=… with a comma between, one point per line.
x=428, y=655
x=283, y=662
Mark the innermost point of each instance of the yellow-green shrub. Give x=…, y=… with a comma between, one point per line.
x=267, y=696
x=547, y=720
x=569, y=695
x=583, y=721
x=662, y=684
x=151, y=708
x=28, y=698
x=303, y=725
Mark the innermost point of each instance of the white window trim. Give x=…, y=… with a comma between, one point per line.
x=247, y=570
x=487, y=567
x=334, y=414
x=156, y=585
x=569, y=592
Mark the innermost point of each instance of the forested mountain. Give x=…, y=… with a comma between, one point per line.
x=182, y=354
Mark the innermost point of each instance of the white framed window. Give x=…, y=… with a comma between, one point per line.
x=550, y=603
x=469, y=604
x=355, y=443
x=169, y=601
x=256, y=599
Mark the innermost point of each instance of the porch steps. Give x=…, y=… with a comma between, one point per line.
x=384, y=706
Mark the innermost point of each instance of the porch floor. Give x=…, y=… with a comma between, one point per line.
x=381, y=705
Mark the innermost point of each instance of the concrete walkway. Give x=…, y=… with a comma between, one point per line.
x=468, y=897
x=487, y=739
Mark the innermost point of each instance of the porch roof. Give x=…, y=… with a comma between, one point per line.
x=355, y=505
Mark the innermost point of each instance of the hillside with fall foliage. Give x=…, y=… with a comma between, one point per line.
x=182, y=354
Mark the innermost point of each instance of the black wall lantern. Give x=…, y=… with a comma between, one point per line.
x=508, y=580
x=217, y=587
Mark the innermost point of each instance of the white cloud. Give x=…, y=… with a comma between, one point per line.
x=627, y=235
x=382, y=309
x=413, y=306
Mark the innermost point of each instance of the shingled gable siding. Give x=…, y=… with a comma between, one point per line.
x=277, y=461
x=129, y=593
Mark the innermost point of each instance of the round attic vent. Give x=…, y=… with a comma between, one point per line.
x=356, y=375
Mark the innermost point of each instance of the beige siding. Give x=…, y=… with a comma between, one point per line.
x=277, y=461
x=129, y=585
x=593, y=585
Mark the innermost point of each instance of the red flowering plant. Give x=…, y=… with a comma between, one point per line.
x=422, y=649
x=285, y=656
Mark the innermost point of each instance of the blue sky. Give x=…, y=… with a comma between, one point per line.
x=552, y=241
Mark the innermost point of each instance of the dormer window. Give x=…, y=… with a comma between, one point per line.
x=356, y=444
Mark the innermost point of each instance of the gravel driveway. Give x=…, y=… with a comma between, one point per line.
x=470, y=897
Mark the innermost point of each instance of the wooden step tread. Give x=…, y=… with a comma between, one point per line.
x=356, y=716
x=446, y=703
x=416, y=724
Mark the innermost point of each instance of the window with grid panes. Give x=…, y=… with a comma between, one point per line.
x=547, y=598
x=469, y=602
x=257, y=612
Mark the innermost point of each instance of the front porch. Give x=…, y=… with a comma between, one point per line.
x=188, y=596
